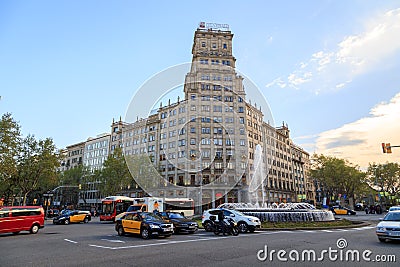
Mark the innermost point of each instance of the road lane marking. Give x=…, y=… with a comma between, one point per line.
x=160, y=244
x=71, y=241
x=113, y=240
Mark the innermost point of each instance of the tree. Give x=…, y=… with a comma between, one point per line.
x=10, y=138
x=37, y=165
x=115, y=175
x=337, y=176
x=385, y=177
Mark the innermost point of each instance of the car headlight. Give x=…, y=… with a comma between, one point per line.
x=154, y=226
x=252, y=220
x=381, y=229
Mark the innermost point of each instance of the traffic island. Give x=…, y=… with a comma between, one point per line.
x=336, y=224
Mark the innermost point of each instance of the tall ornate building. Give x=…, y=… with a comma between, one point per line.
x=204, y=146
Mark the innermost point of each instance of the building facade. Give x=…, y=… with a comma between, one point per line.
x=203, y=147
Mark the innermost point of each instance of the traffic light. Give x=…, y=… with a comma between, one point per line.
x=80, y=187
x=388, y=148
x=384, y=148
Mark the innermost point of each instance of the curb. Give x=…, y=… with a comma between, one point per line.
x=356, y=224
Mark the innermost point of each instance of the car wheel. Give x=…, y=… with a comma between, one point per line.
x=121, y=231
x=66, y=221
x=208, y=227
x=242, y=227
x=86, y=220
x=252, y=229
x=34, y=229
x=145, y=233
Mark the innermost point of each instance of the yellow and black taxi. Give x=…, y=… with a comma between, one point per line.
x=339, y=210
x=72, y=216
x=145, y=224
x=181, y=223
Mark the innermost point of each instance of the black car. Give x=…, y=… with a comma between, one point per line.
x=181, y=223
x=72, y=216
x=144, y=223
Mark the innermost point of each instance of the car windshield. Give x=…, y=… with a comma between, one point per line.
x=176, y=216
x=392, y=217
x=150, y=217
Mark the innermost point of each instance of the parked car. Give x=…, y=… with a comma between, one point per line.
x=245, y=223
x=389, y=227
x=14, y=219
x=72, y=216
x=145, y=224
x=394, y=208
x=180, y=222
x=339, y=210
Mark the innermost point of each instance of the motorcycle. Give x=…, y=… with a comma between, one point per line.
x=228, y=227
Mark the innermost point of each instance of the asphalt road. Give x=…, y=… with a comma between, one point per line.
x=97, y=244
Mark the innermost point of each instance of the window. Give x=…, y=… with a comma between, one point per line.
x=192, y=141
x=206, y=119
x=203, y=44
x=241, y=120
x=217, y=108
x=214, y=45
x=193, y=97
x=205, y=130
x=182, y=142
x=217, y=130
x=205, y=141
x=224, y=46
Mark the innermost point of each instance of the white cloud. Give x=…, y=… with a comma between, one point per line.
x=354, y=55
x=360, y=141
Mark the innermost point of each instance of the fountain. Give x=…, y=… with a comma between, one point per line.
x=258, y=178
x=283, y=212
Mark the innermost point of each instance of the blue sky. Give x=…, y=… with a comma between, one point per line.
x=329, y=69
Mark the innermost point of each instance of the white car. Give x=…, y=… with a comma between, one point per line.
x=394, y=208
x=245, y=223
x=389, y=227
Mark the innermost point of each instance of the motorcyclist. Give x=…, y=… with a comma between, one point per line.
x=221, y=218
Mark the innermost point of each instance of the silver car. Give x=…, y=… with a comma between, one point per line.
x=389, y=227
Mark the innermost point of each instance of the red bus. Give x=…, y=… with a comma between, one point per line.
x=113, y=205
x=15, y=219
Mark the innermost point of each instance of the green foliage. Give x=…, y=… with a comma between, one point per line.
x=385, y=177
x=37, y=165
x=26, y=164
x=10, y=138
x=115, y=175
x=338, y=176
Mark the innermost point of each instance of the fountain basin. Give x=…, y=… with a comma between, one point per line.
x=290, y=212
